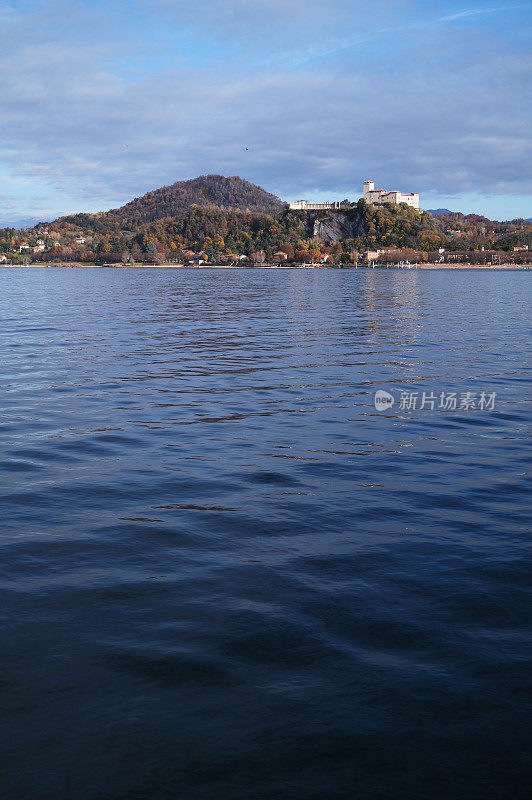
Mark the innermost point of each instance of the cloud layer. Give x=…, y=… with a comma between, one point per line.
x=101, y=102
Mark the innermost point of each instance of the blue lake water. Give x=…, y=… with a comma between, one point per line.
x=225, y=575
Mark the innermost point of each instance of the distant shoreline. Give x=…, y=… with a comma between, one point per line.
x=428, y=266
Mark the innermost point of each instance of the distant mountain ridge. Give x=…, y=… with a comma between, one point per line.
x=206, y=191
x=20, y=223
x=438, y=211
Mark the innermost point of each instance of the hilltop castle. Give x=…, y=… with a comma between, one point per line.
x=375, y=196
x=371, y=195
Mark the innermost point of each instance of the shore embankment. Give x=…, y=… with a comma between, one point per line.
x=74, y=264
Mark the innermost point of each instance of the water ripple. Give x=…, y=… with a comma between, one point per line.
x=225, y=574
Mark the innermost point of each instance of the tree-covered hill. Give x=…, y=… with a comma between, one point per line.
x=206, y=191
x=466, y=231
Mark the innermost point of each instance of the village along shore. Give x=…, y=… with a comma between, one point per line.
x=286, y=265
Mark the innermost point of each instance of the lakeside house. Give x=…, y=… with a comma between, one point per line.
x=387, y=251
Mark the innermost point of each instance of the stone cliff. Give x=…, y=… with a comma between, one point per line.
x=334, y=226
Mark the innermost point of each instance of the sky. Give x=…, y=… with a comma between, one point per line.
x=103, y=101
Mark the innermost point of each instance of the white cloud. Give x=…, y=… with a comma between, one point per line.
x=473, y=12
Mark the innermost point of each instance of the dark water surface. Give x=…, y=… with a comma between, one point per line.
x=225, y=575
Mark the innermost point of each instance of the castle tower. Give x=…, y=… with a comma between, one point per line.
x=369, y=186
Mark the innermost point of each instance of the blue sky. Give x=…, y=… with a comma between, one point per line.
x=103, y=101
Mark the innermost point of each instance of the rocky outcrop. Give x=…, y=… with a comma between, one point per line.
x=334, y=226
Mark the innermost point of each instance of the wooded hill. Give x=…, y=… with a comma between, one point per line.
x=207, y=191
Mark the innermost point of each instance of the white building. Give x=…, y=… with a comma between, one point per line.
x=303, y=205
x=377, y=196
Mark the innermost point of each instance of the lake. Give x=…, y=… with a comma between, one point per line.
x=225, y=574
